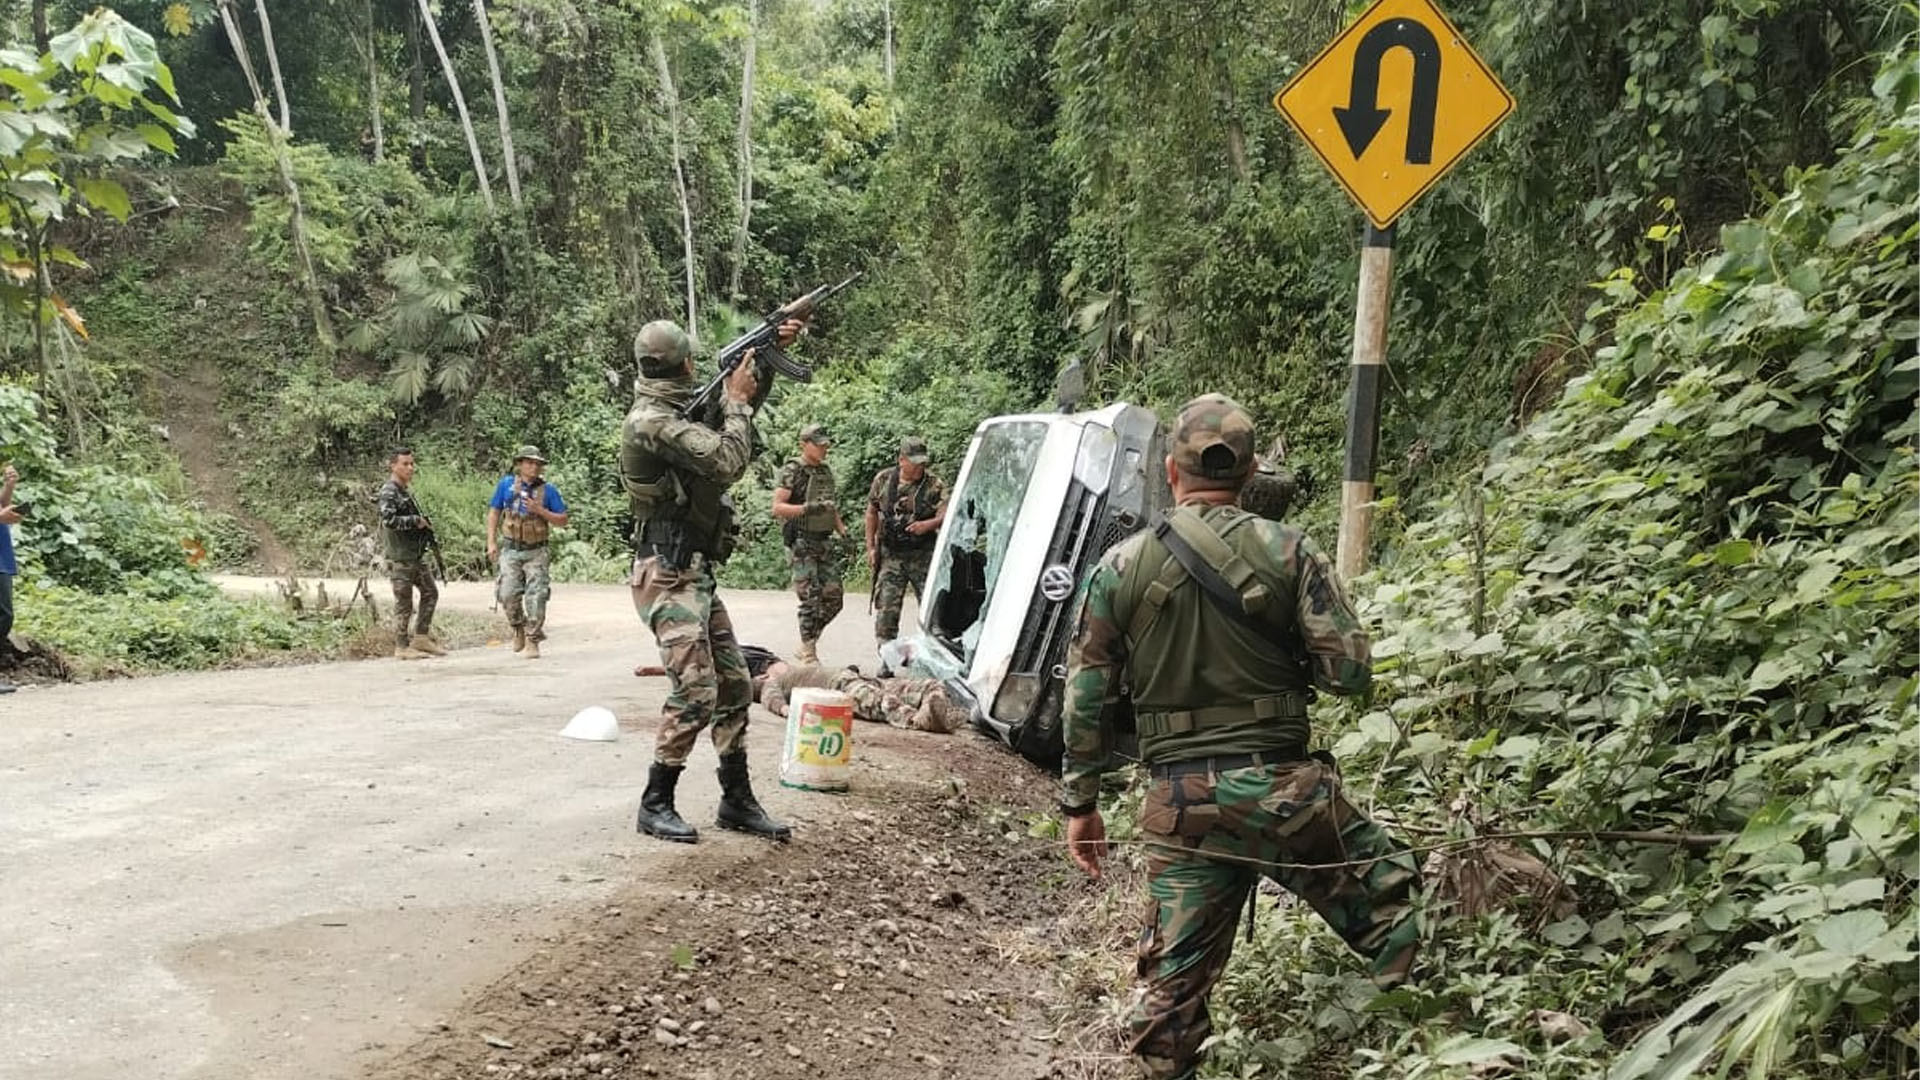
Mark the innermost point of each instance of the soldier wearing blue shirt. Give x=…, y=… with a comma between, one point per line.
x=521, y=516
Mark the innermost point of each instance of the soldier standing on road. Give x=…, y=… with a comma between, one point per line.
x=524, y=511
x=905, y=506
x=1222, y=623
x=676, y=473
x=408, y=532
x=804, y=504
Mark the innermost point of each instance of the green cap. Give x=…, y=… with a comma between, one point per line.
x=528, y=452
x=914, y=449
x=816, y=434
x=661, y=347
x=1213, y=438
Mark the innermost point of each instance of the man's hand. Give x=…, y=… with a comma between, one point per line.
x=1087, y=842
x=493, y=551
x=424, y=523
x=10, y=515
x=791, y=329
x=741, y=384
x=922, y=528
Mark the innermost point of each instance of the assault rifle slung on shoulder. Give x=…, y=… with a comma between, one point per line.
x=768, y=357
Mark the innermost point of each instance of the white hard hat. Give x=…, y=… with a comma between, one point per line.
x=593, y=723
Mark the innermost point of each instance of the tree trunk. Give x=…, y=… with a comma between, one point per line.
x=373, y=87
x=499, y=101
x=672, y=99
x=273, y=65
x=745, y=158
x=282, y=158
x=42, y=41
x=886, y=13
x=416, y=91
x=459, y=104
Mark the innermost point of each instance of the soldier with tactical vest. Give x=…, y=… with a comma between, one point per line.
x=676, y=473
x=905, y=506
x=804, y=504
x=524, y=511
x=1223, y=623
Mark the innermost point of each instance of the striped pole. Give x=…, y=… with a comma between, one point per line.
x=1363, y=399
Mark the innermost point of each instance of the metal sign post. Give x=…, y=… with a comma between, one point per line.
x=1388, y=126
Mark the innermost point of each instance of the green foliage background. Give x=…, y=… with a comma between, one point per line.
x=1646, y=546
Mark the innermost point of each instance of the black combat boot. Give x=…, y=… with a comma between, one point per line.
x=657, y=815
x=739, y=810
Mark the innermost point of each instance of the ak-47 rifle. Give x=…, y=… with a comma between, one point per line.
x=768, y=357
x=433, y=545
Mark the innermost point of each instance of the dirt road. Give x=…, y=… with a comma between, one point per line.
x=304, y=872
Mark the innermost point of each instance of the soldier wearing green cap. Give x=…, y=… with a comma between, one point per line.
x=676, y=473
x=810, y=523
x=1223, y=623
x=905, y=506
x=521, y=517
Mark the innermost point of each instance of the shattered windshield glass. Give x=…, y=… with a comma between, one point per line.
x=981, y=519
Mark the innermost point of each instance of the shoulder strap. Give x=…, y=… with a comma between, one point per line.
x=1195, y=551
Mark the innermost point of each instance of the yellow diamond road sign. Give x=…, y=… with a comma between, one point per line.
x=1396, y=101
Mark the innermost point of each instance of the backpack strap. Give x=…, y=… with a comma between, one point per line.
x=1196, y=551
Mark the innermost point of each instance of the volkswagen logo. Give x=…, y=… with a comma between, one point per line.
x=1056, y=582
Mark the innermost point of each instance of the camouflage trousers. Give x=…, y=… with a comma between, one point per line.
x=524, y=586
x=708, y=676
x=1210, y=838
x=817, y=570
x=405, y=577
x=914, y=704
x=899, y=571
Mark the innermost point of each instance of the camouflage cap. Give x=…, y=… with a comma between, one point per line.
x=914, y=449
x=528, y=452
x=816, y=434
x=661, y=347
x=1213, y=438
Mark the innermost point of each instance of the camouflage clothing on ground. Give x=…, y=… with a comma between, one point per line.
x=1212, y=687
x=815, y=554
x=524, y=586
x=676, y=474
x=404, y=529
x=914, y=704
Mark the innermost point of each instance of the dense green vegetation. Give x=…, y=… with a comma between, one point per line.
x=1648, y=545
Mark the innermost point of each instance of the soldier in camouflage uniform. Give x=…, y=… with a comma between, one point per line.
x=1222, y=663
x=676, y=473
x=408, y=532
x=914, y=704
x=905, y=506
x=803, y=502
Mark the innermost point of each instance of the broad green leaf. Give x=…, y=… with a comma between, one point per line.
x=1773, y=825
x=1469, y=1050
x=1851, y=933
x=106, y=195
x=1733, y=552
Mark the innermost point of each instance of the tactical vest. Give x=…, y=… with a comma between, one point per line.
x=670, y=506
x=526, y=530
x=1233, y=683
x=894, y=520
x=814, y=485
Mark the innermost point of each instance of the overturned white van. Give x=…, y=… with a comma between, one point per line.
x=1039, y=499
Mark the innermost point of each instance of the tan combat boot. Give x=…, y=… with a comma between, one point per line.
x=532, y=651
x=809, y=653
x=423, y=643
x=404, y=651
x=519, y=638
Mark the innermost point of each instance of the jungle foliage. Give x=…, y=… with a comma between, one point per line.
x=1647, y=542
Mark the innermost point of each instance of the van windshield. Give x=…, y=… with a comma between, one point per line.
x=981, y=517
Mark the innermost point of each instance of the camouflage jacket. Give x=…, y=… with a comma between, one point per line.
x=401, y=524
x=811, y=486
x=693, y=463
x=1194, y=656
